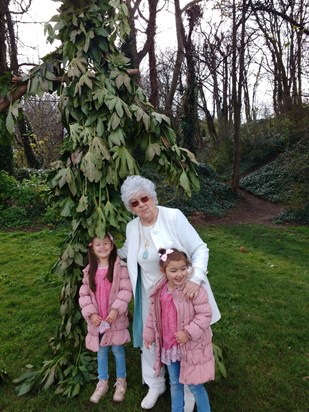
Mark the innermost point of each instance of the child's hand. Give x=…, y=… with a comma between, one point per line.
x=95, y=319
x=111, y=317
x=181, y=337
x=147, y=344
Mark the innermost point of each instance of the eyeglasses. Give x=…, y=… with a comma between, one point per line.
x=143, y=199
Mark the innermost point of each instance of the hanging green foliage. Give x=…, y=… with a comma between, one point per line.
x=108, y=119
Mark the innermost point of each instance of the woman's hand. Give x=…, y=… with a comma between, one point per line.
x=95, y=319
x=190, y=289
x=111, y=317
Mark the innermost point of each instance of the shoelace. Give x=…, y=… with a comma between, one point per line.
x=117, y=383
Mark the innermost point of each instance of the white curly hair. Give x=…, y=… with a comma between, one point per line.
x=135, y=185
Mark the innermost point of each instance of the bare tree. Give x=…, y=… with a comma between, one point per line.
x=285, y=43
x=47, y=130
x=215, y=55
x=135, y=10
x=190, y=120
x=270, y=8
x=6, y=156
x=238, y=64
x=8, y=47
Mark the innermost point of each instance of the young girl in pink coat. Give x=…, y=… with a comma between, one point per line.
x=104, y=297
x=179, y=328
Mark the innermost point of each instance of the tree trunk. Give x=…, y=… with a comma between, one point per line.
x=209, y=118
x=27, y=142
x=237, y=90
x=190, y=120
x=282, y=64
x=6, y=151
x=224, y=115
x=149, y=45
x=180, y=32
x=12, y=43
x=247, y=98
x=22, y=124
x=153, y=75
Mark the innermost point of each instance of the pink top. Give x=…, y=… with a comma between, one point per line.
x=103, y=288
x=170, y=349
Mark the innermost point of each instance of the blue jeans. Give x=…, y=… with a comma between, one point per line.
x=120, y=359
x=177, y=392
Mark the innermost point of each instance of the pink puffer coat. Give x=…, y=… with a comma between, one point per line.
x=197, y=361
x=119, y=298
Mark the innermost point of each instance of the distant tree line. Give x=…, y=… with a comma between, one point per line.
x=222, y=67
x=227, y=56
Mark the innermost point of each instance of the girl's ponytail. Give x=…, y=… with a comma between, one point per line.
x=111, y=262
x=93, y=266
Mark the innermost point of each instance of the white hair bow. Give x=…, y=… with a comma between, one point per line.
x=163, y=256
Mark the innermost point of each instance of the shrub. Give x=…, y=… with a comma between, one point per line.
x=15, y=216
x=214, y=198
x=40, y=175
x=6, y=150
x=8, y=188
x=23, y=201
x=294, y=216
x=222, y=160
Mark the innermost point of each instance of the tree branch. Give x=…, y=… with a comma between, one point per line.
x=187, y=6
x=17, y=94
x=259, y=6
x=21, y=89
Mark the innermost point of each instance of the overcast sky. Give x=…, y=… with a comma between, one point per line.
x=33, y=44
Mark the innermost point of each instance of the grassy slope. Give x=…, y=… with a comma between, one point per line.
x=262, y=294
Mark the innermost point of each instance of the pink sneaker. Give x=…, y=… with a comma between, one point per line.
x=121, y=387
x=101, y=389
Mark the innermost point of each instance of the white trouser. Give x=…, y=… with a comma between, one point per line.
x=149, y=358
x=158, y=383
x=148, y=373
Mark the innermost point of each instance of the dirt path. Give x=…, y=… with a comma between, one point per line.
x=248, y=209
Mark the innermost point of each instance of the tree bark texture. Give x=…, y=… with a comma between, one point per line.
x=238, y=68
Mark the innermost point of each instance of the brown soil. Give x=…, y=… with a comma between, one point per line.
x=248, y=209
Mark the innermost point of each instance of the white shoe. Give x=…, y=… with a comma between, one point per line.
x=151, y=398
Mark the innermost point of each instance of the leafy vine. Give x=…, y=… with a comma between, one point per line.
x=108, y=120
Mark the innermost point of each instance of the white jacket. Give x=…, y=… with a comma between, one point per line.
x=172, y=229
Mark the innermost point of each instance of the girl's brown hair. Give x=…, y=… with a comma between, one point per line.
x=93, y=263
x=166, y=255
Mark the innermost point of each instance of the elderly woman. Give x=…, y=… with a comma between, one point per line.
x=155, y=227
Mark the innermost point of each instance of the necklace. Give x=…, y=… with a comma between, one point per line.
x=146, y=242
x=146, y=245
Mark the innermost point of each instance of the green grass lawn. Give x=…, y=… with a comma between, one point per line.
x=262, y=291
